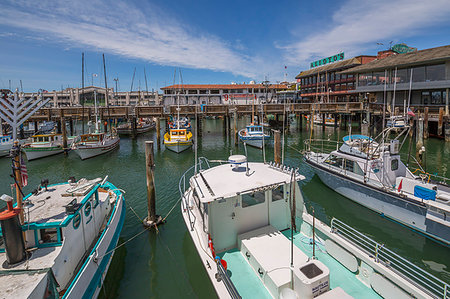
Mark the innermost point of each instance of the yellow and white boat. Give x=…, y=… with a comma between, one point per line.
x=178, y=140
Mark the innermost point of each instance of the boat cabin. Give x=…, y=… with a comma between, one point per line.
x=254, y=129
x=46, y=138
x=95, y=137
x=178, y=134
x=234, y=199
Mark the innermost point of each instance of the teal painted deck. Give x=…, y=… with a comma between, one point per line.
x=249, y=285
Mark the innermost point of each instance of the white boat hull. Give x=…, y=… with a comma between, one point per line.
x=4, y=149
x=86, y=152
x=90, y=278
x=36, y=153
x=178, y=147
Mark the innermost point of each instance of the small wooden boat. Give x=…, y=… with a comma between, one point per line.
x=94, y=144
x=141, y=127
x=45, y=145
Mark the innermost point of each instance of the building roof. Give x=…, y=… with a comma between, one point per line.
x=223, y=86
x=421, y=57
x=347, y=63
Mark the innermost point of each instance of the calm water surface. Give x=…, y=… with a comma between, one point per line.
x=165, y=264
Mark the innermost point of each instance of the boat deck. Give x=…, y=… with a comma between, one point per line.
x=252, y=286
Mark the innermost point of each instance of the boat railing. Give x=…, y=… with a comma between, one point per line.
x=321, y=145
x=414, y=274
x=223, y=275
x=203, y=163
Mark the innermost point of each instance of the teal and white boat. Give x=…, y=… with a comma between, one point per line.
x=64, y=245
x=255, y=239
x=6, y=142
x=45, y=145
x=254, y=135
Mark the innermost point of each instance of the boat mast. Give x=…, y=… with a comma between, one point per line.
x=95, y=111
x=82, y=90
x=106, y=93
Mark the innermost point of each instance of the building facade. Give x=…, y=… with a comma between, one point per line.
x=74, y=97
x=326, y=83
x=420, y=78
x=215, y=94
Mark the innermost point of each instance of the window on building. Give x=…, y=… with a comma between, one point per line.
x=418, y=74
x=214, y=91
x=425, y=97
x=435, y=72
x=192, y=91
x=436, y=97
x=253, y=198
x=362, y=80
x=378, y=78
x=203, y=91
x=344, y=76
x=278, y=193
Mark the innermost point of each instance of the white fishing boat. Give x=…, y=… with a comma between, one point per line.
x=142, y=126
x=254, y=135
x=64, y=245
x=97, y=143
x=45, y=145
x=372, y=174
x=255, y=239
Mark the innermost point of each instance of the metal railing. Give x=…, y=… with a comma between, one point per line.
x=223, y=275
x=325, y=146
x=182, y=186
x=414, y=274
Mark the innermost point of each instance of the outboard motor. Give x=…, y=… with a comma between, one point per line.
x=12, y=232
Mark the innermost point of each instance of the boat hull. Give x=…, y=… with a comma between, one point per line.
x=86, y=152
x=178, y=147
x=41, y=152
x=89, y=280
x=129, y=131
x=4, y=149
x=254, y=141
x=401, y=210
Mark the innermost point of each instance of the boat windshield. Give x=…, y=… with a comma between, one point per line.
x=90, y=138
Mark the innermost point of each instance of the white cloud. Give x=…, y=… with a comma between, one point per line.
x=358, y=25
x=121, y=28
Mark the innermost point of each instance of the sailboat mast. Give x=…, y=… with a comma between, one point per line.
x=82, y=90
x=106, y=93
x=95, y=110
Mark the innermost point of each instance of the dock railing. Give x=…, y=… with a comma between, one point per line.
x=429, y=283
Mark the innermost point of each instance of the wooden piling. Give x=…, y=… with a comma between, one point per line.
x=440, y=128
x=277, y=146
x=64, y=132
x=335, y=121
x=323, y=121
x=71, y=126
x=158, y=133
x=419, y=135
x=447, y=128
x=36, y=127
x=425, y=124
x=152, y=219
x=133, y=127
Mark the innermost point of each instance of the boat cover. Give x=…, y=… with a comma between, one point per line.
x=424, y=193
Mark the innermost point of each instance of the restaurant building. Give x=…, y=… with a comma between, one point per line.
x=425, y=73
x=214, y=94
x=326, y=83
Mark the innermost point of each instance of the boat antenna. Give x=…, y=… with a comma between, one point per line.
x=282, y=140
x=263, y=137
x=106, y=94
x=314, y=233
x=132, y=79
x=146, y=86
x=82, y=90
x=292, y=199
x=246, y=159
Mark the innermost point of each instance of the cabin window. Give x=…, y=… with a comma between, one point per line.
x=48, y=235
x=278, y=193
x=95, y=201
x=181, y=133
x=174, y=133
x=348, y=165
x=334, y=161
x=394, y=164
x=253, y=198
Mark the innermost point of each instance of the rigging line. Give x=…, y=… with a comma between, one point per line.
x=125, y=242
x=140, y=220
x=170, y=211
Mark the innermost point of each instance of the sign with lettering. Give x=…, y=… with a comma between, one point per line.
x=327, y=60
x=402, y=49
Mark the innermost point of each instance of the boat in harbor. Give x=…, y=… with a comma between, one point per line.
x=142, y=126
x=61, y=243
x=372, y=174
x=180, y=123
x=97, y=143
x=329, y=120
x=254, y=135
x=256, y=239
x=45, y=145
x=178, y=140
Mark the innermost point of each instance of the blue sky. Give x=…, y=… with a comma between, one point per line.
x=211, y=41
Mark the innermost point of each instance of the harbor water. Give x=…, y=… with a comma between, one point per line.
x=165, y=264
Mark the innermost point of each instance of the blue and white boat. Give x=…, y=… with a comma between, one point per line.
x=254, y=135
x=64, y=244
x=256, y=239
x=372, y=174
